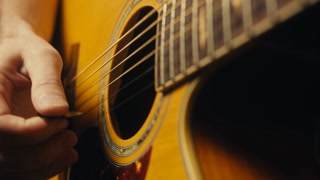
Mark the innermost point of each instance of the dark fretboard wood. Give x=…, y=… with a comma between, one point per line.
x=193, y=33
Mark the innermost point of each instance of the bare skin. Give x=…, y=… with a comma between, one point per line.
x=31, y=147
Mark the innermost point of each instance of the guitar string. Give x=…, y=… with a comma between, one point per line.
x=141, y=61
x=126, y=59
x=149, y=70
x=113, y=57
x=150, y=85
x=189, y=27
x=113, y=45
x=189, y=10
x=149, y=15
x=115, y=93
x=72, y=80
x=106, y=86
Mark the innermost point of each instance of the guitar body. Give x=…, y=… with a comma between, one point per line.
x=165, y=137
x=230, y=111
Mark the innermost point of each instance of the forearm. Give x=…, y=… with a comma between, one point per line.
x=20, y=16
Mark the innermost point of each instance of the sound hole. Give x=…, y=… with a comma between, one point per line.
x=131, y=93
x=257, y=117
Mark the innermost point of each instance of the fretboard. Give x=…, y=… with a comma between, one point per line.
x=194, y=33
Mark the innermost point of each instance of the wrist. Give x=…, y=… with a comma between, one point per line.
x=12, y=27
x=20, y=16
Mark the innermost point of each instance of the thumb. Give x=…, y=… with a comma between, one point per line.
x=44, y=66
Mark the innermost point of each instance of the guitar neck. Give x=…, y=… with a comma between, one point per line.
x=194, y=33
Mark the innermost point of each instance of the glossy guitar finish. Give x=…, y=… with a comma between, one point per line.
x=188, y=93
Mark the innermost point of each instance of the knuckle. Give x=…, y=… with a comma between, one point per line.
x=28, y=131
x=4, y=81
x=48, y=87
x=51, y=54
x=52, y=81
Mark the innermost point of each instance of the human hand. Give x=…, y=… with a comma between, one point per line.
x=32, y=146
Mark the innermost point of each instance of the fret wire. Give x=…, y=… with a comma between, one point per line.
x=171, y=39
x=177, y=35
x=162, y=79
x=165, y=42
x=135, y=26
x=186, y=28
x=165, y=28
x=188, y=11
x=247, y=16
x=226, y=20
x=182, y=36
x=194, y=31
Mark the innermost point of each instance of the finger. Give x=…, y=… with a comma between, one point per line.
x=67, y=160
x=17, y=131
x=44, y=172
x=44, y=66
x=10, y=77
x=48, y=158
x=5, y=94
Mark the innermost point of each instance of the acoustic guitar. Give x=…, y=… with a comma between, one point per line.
x=193, y=89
